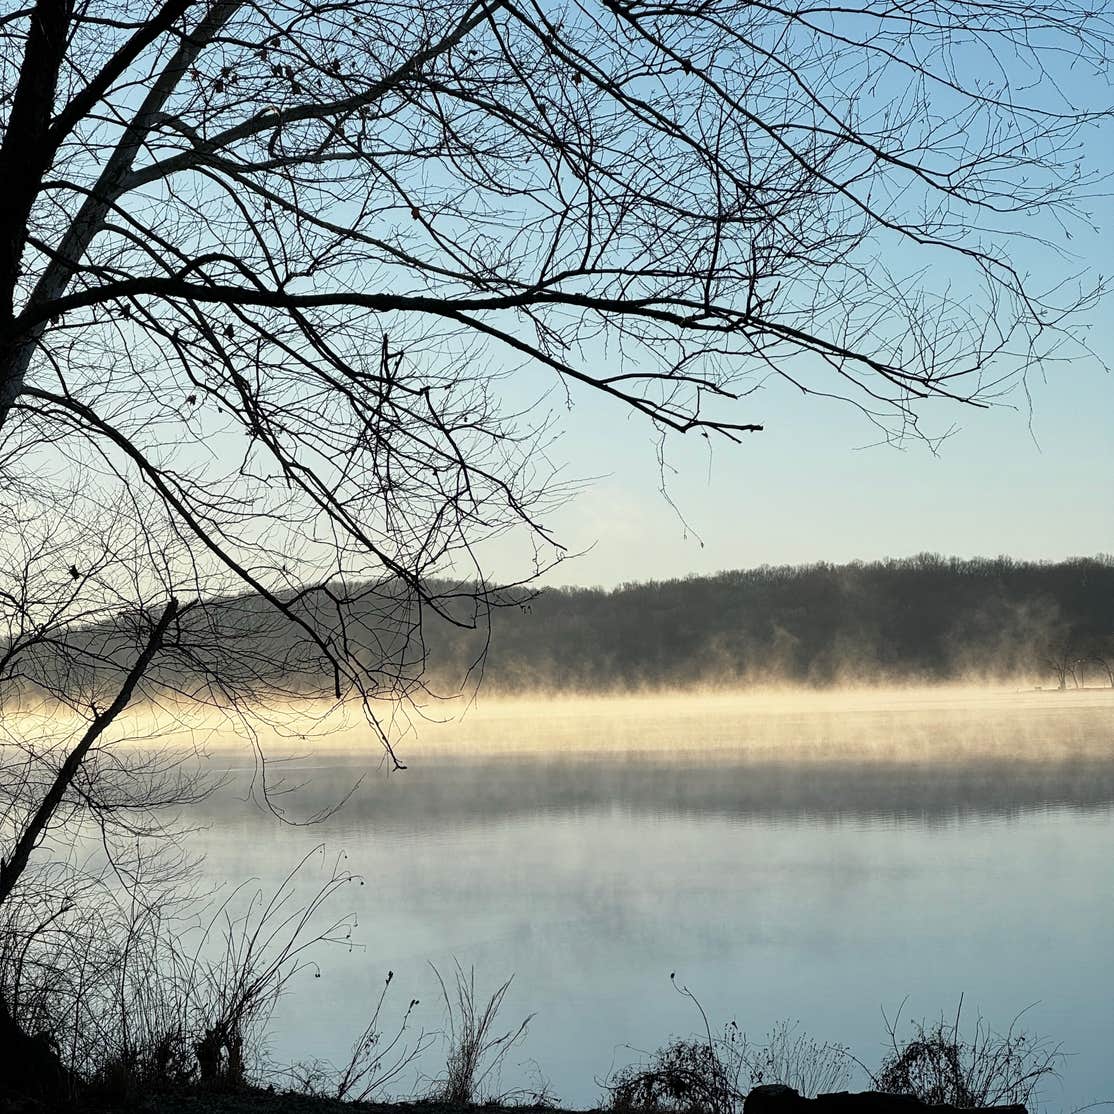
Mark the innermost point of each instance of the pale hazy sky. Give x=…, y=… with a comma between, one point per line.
x=1036, y=484
x=1031, y=482
x=804, y=490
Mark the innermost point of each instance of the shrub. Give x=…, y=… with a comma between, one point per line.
x=712, y=1075
x=938, y=1064
x=685, y=1076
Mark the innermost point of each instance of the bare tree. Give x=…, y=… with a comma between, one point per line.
x=269, y=259
x=1106, y=664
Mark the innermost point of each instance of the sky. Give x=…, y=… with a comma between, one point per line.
x=1035, y=486
x=1030, y=477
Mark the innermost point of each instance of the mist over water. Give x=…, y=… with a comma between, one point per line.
x=808, y=856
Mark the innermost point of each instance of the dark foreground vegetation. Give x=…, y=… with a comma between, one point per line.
x=766, y=1099
x=159, y=1028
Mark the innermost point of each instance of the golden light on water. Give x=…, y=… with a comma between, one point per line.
x=861, y=724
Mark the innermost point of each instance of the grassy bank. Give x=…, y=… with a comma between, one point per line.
x=943, y=1063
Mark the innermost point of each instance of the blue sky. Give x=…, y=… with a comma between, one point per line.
x=1032, y=479
x=1037, y=485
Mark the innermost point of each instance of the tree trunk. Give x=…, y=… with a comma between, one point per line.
x=11, y=870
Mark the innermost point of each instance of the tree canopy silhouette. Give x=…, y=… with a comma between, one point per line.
x=925, y=619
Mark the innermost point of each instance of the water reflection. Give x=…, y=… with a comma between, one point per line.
x=905, y=757
x=451, y=793
x=812, y=866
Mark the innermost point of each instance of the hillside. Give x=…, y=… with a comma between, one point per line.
x=922, y=619
x=925, y=618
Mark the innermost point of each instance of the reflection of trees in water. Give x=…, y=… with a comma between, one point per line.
x=448, y=793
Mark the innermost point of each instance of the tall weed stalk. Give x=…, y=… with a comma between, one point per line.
x=475, y=1050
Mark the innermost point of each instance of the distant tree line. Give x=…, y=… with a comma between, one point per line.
x=920, y=619
x=923, y=618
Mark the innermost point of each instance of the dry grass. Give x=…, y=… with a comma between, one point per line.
x=475, y=1049
x=135, y=996
x=713, y=1074
x=376, y=1059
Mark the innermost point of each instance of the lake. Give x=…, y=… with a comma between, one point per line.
x=792, y=857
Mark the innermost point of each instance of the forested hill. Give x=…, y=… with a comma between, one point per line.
x=923, y=618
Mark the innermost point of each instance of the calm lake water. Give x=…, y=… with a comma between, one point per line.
x=803, y=858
